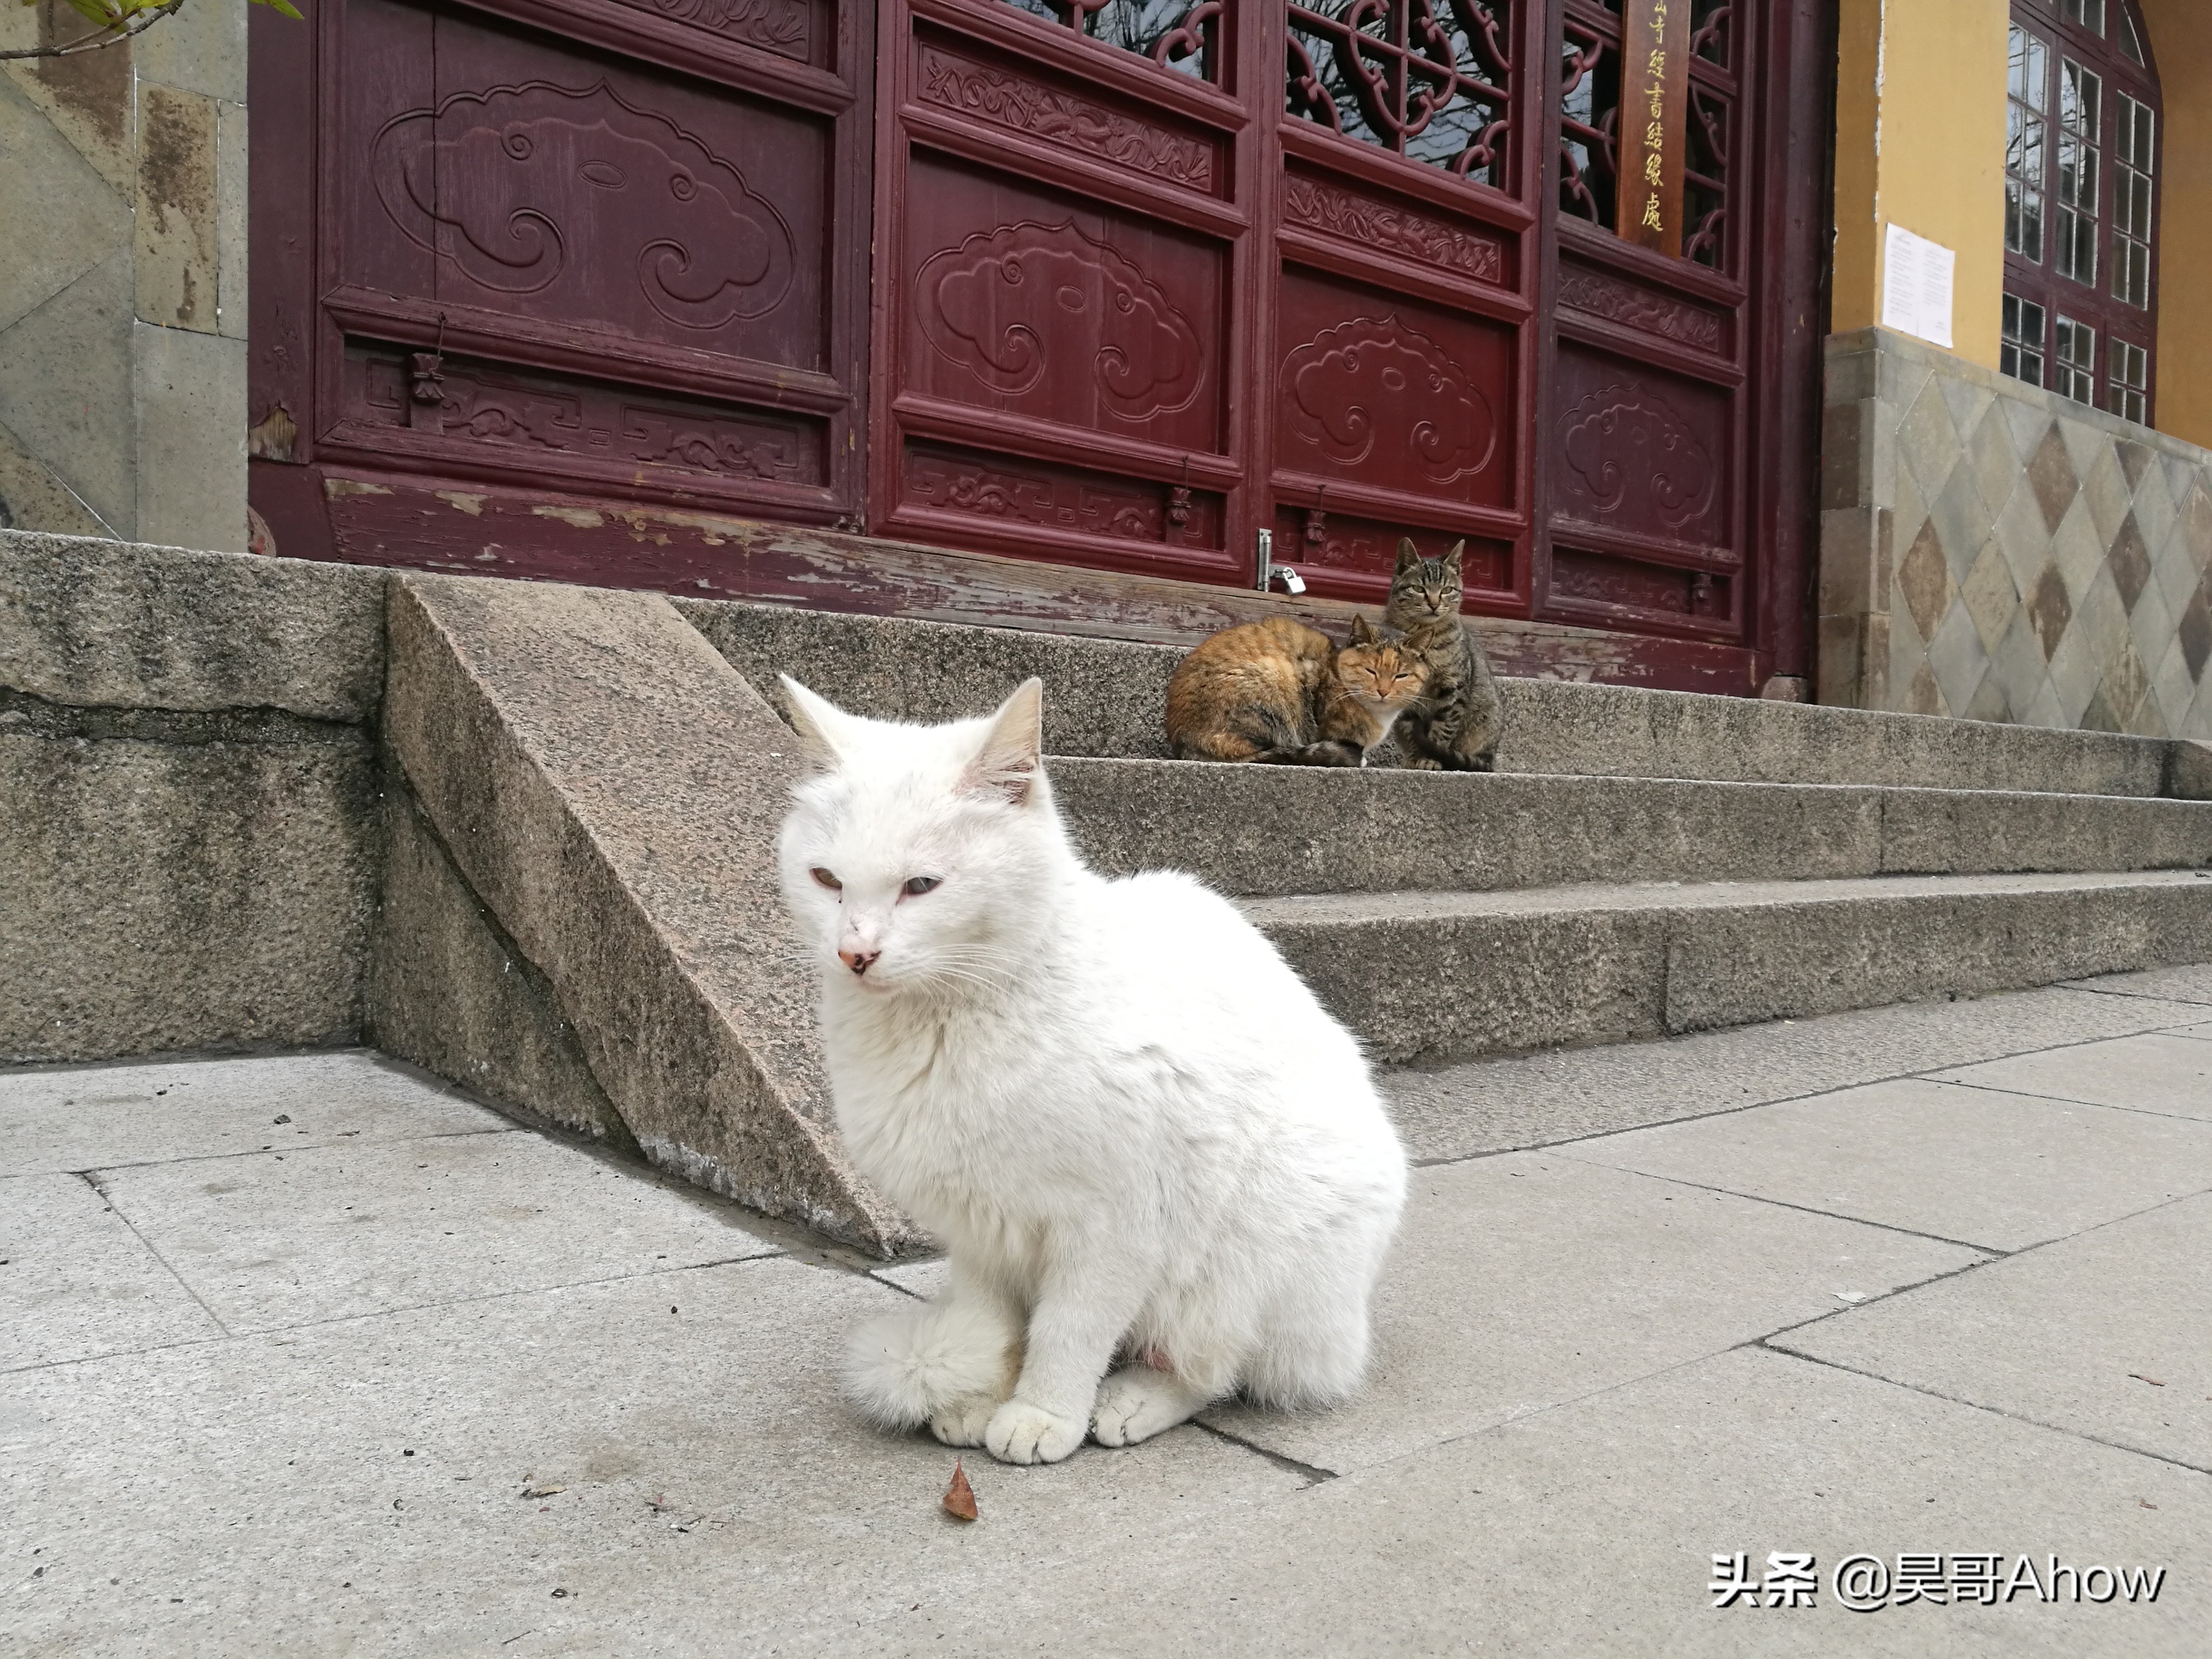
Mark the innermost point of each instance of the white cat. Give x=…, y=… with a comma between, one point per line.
x=1139, y=1135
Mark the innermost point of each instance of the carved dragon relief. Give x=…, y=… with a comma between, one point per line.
x=1398, y=230
x=499, y=183
x=1020, y=105
x=1631, y=450
x=1373, y=383
x=785, y=26
x=1639, y=309
x=991, y=304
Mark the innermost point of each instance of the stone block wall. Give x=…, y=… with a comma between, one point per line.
x=189, y=796
x=123, y=279
x=1991, y=550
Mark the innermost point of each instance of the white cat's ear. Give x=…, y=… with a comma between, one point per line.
x=1006, y=765
x=826, y=729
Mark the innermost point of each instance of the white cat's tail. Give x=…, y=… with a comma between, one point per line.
x=904, y=1368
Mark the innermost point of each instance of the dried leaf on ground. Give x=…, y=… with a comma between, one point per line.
x=542, y=1492
x=960, y=1496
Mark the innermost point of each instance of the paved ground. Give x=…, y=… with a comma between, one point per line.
x=309, y=1356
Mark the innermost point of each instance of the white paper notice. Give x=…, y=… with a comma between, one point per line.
x=1915, y=286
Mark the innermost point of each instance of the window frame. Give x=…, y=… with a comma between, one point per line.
x=2036, y=281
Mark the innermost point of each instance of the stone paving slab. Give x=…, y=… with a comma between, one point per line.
x=1551, y=1453
x=1524, y=1280
x=2154, y=1072
x=1496, y=1104
x=2108, y=1334
x=104, y=1117
x=921, y=1279
x=1590, y=1530
x=76, y=1282
x=1994, y=1171
x=2184, y=984
x=716, y=1496
x=272, y=1239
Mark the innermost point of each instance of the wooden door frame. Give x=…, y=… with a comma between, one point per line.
x=1782, y=321
x=302, y=312
x=1004, y=29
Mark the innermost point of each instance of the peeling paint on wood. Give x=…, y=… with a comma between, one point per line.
x=400, y=522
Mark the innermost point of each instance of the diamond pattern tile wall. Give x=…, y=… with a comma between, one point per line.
x=2038, y=562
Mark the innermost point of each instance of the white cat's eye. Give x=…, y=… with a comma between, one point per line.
x=920, y=884
x=824, y=879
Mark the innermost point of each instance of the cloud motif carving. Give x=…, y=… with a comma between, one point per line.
x=1623, y=439
x=499, y=183
x=1012, y=305
x=1375, y=386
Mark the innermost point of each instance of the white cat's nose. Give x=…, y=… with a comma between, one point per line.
x=859, y=961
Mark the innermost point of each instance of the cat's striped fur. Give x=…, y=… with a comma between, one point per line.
x=1453, y=726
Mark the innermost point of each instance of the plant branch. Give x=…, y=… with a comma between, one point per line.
x=137, y=24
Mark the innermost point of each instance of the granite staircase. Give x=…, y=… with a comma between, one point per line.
x=580, y=918
x=521, y=834
x=1643, y=863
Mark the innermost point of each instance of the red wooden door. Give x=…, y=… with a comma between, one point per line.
x=1126, y=281
x=609, y=249
x=1679, y=394
x=1156, y=275
x=1067, y=286
x=1407, y=275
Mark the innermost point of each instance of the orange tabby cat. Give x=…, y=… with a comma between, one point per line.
x=1279, y=691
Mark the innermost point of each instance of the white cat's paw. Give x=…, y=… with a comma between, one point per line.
x=963, y=1422
x=1137, y=1403
x=1019, y=1432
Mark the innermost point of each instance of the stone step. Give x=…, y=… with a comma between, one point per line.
x=1431, y=977
x=1104, y=698
x=595, y=795
x=1266, y=831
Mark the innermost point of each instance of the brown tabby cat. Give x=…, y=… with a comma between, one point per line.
x=1453, y=726
x=1279, y=691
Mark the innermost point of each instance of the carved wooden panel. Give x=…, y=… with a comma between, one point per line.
x=1368, y=220
x=1611, y=586
x=547, y=246
x=1393, y=395
x=797, y=29
x=999, y=96
x=630, y=202
x=1350, y=557
x=1039, y=305
x=480, y=413
x=1075, y=500
x=1640, y=452
x=1645, y=310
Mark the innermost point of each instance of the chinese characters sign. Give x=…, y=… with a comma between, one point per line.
x=1654, y=95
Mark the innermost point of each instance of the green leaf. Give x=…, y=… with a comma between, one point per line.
x=284, y=8
x=99, y=12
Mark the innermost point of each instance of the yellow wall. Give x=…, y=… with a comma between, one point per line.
x=1920, y=120
x=2181, y=42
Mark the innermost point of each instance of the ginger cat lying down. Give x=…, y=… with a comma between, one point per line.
x=1281, y=691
